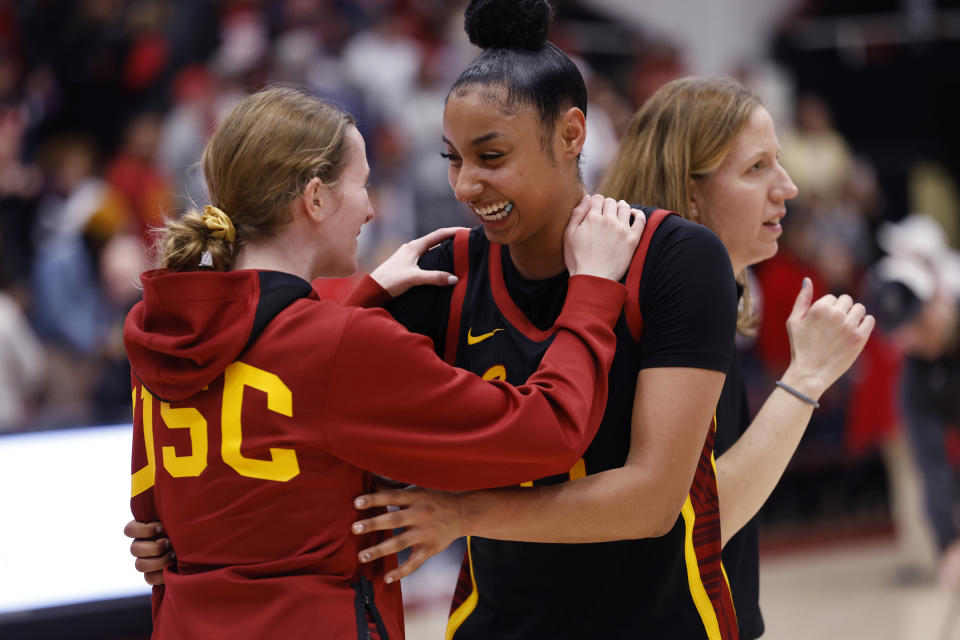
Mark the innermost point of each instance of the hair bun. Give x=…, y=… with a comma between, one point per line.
x=508, y=24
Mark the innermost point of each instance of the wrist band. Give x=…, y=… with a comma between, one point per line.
x=783, y=385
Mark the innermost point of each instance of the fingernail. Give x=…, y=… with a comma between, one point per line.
x=364, y=557
x=388, y=579
x=358, y=527
x=159, y=528
x=359, y=502
x=166, y=542
x=173, y=555
x=453, y=279
x=807, y=282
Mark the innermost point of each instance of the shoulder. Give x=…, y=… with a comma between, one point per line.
x=687, y=259
x=677, y=232
x=685, y=249
x=441, y=257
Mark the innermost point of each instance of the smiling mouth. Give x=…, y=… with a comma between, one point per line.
x=494, y=212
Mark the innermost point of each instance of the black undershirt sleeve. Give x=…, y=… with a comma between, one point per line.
x=688, y=299
x=425, y=309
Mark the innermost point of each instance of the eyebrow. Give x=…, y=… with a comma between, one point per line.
x=479, y=139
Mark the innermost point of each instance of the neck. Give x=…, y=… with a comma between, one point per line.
x=541, y=255
x=289, y=251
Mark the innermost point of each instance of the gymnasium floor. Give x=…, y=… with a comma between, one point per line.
x=847, y=591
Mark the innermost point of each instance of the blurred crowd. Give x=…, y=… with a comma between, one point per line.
x=105, y=106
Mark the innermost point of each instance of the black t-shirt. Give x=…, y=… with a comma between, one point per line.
x=687, y=297
x=673, y=304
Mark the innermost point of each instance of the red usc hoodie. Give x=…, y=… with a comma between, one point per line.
x=261, y=410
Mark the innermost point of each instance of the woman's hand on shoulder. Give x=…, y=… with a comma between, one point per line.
x=601, y=237
x=431, y=520
x=400, y=272
x=825, y=339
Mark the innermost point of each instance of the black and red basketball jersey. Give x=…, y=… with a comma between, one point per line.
x=498, y=325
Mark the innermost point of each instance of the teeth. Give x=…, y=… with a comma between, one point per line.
x=495, y=211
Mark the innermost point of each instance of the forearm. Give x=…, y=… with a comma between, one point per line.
x=748, y=472
x=619, y=504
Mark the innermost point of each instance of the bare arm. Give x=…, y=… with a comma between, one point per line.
x=825, y=339
x=641, y=499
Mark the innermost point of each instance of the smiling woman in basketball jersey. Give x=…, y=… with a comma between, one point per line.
x=513, y=130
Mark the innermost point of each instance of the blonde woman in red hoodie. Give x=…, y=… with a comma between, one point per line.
x=260, y=409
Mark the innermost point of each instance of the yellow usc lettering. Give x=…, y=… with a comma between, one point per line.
x=143, y=479
x=185, y=418
x=282, y=465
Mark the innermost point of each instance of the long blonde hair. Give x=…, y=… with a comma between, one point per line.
x=259, y=158
x=682, y=133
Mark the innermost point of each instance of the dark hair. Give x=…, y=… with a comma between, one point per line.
x=517, y=57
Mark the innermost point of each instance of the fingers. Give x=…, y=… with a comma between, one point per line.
x=865, y=328
x=413, y=563
x=639, y=220
x=438, y=278
x=384, y=499
x=856, y=314
x=384, y=522
x=623, y=213
x=610, y=207
x=861, y=323
x=804, y=298
x=391, y=545
x=396, y=544
x=153, y=578
x=135, y=529
x=844, y=303
x=580, y=211
x=151, y=565
x=149, y=548
x=421, y=244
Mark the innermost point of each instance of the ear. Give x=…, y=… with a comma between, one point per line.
x=312, y=199
x=572, y=128
x=697, y=198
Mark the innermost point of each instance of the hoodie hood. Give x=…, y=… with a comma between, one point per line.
x=191, y=325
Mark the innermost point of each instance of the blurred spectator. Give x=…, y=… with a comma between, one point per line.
x=185, y=130
x=383, y=62
x=77, y=215
x=135, y=173
x=915, y=295
x=122, y=260
x=21, y=365
x=605, y=110
x=20, y=185
x=658, y=62
x=419, y=121
x=933, y=190
x=815, y=153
